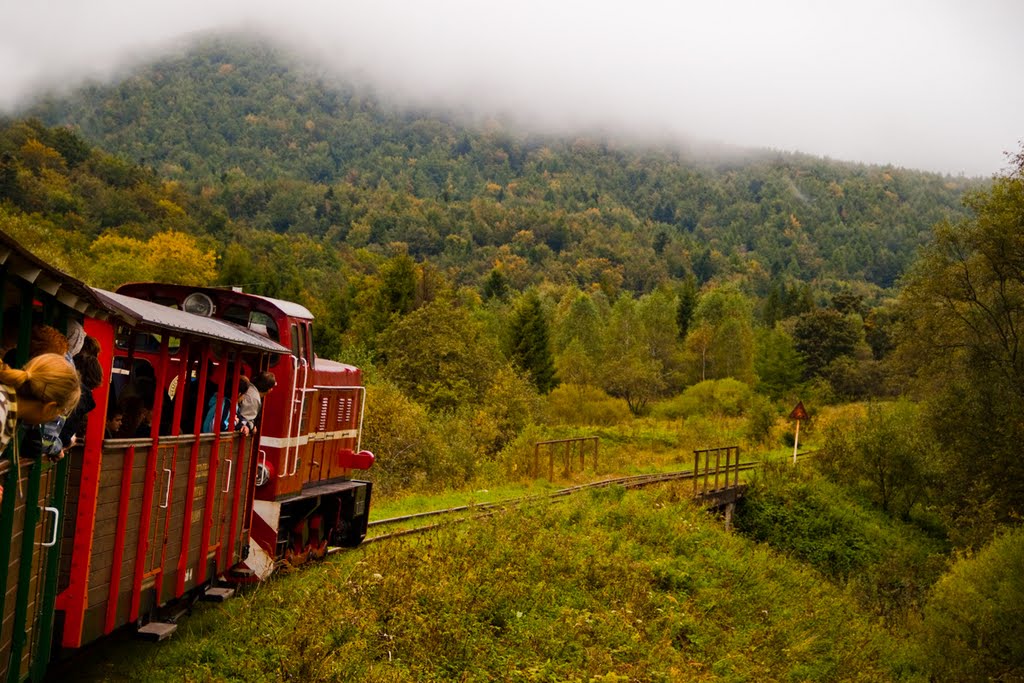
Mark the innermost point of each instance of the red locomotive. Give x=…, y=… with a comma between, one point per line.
x=124, y=527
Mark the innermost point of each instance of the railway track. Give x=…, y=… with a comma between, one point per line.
x=462, y=513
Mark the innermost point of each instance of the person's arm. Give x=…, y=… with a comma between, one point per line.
x=52, y=446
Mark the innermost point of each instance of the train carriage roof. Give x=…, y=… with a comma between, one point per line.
x=145, y=315
x=19, y=262
x=71, y=292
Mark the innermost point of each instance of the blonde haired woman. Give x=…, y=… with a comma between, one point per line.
x=47, y=387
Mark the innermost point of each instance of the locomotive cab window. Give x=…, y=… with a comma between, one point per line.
x=262, y=323
x=237, y=314
x=298, y=347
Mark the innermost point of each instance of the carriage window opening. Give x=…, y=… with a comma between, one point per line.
x=121, y=337
x=133, y=389
x=295, y=340
x=147, y=342
x=309, y=341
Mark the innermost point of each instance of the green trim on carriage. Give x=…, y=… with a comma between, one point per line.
x=43, y=613
x=28, y=542
x=44, y=628
x=6, y=529
x=7, y=506
x=7, y=510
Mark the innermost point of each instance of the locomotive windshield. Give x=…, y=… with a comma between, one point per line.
x=257, y=321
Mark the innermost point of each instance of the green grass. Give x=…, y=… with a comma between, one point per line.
x=642, y=446
x=612, y=585
x=887, y=564
x=395, y=506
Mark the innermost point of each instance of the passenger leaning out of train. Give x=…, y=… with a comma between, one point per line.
x=46, y=339
x=46, y=388
x=251, y=400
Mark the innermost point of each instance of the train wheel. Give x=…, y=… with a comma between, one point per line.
x=318, y=551
x=296, y=559
x=317, y=546
x=298, y=546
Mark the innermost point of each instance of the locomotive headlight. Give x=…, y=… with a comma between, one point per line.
x=198, y=303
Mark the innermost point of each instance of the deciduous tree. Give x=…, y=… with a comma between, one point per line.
x=439, y=356
x=823, y=335
x=724, y=318
x=963, y=316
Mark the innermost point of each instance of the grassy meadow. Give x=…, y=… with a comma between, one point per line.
x=611, y=585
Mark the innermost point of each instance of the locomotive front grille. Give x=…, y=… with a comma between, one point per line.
x=344, y=411
x=323, y=413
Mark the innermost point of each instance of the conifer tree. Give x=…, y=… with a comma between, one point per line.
x=687, y=304
x=531, y=347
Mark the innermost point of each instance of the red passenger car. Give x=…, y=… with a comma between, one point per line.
x=156, y=516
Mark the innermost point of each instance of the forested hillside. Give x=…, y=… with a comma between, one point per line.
x=282, y=148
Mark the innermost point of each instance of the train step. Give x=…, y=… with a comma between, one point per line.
x=157, y=631
x=218, y=594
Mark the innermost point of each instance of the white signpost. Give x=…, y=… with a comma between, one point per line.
x=799, y=413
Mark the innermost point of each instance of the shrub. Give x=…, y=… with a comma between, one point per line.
x=790, y=512
x=760, y=421
x=398, y=431
x=888, y=452
x=517, y=458
x=974, y=618
x=580, y=404
x=889, y=566
x=728, y=397
x=510, y=404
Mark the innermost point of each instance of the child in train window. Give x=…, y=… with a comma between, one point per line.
x=46, y=388
x=115, y=418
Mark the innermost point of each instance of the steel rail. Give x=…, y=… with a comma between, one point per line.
x=487, y=509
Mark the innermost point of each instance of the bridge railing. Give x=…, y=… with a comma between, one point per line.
x=579, y=445
x=709, y=464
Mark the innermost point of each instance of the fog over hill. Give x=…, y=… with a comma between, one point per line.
x=920, y=85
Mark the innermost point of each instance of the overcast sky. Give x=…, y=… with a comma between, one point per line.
x=931, y=84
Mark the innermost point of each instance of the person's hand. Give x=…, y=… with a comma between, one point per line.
x=245, y=430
